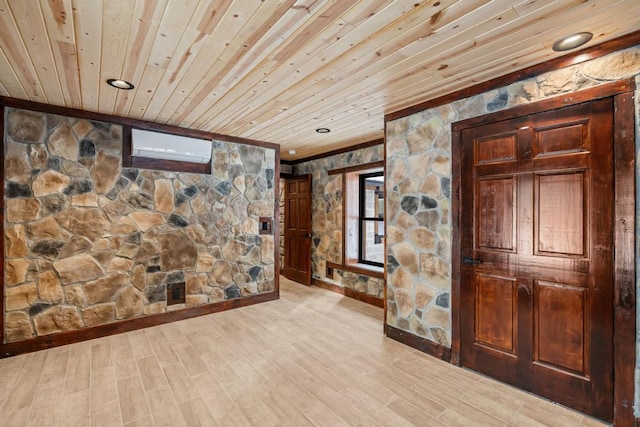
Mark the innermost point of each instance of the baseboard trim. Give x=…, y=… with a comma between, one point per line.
x=64, y=338
x=348, y=292
x=429, y=347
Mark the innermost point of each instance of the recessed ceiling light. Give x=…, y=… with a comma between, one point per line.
x=323, y=130
x=571, y=42
x=120, y=84
x=292, y=152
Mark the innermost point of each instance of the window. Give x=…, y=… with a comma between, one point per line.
x=364, y=216
x=371, y=219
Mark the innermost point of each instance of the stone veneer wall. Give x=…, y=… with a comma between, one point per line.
x=281, y=222
x=326, y=217
x=418, y=174
x=88, y=242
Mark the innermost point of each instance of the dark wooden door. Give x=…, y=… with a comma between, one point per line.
x=536, y=273
x=297, y=229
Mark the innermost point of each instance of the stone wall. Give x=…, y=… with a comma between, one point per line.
x=418, y=177
x=89, y=242
x=326, y=217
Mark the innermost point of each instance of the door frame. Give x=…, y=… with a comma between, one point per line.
x=624, y=304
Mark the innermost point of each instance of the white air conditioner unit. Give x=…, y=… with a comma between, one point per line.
x=165, y=146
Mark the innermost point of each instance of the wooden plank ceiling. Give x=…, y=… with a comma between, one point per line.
x=275, y=70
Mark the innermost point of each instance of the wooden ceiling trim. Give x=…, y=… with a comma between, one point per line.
x=341, y=150
x=126, y=121
x=590, y=53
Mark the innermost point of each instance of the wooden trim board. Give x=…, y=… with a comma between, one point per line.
x=2, y=214
x=424, y=345
x=348, y=292
x=64, y=338
x=356, y=147
x=363, y=167
x=356, y=269
x=140, y=124
x=624, y=336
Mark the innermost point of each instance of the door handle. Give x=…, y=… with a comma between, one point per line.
x=471, y=261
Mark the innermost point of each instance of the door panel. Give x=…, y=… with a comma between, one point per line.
x=297, y=232
x=496, y=214
x=561, y=322
x=538, y=302
x=498, y=148
x=495, y=312
x=568, y=137
x=560, y=212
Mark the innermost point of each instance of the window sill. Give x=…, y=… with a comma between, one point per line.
x=364, y=269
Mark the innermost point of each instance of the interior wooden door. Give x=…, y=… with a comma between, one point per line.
x=536, y=274
x=297, y=229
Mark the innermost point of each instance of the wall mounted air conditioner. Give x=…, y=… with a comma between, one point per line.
x=165, y=146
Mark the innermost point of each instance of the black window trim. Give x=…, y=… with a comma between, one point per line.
x=361, y=218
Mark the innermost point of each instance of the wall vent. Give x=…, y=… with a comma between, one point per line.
x=176, y=293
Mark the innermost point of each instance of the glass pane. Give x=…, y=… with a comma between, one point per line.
x=373, y=241
x=374, y=197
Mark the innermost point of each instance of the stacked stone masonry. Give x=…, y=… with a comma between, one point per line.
x=326, y=217
x=88, y=242
x=418, y=189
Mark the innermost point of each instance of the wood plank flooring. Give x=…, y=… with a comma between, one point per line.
x=311, y=358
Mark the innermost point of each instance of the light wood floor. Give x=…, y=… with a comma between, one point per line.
x=311, y=358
